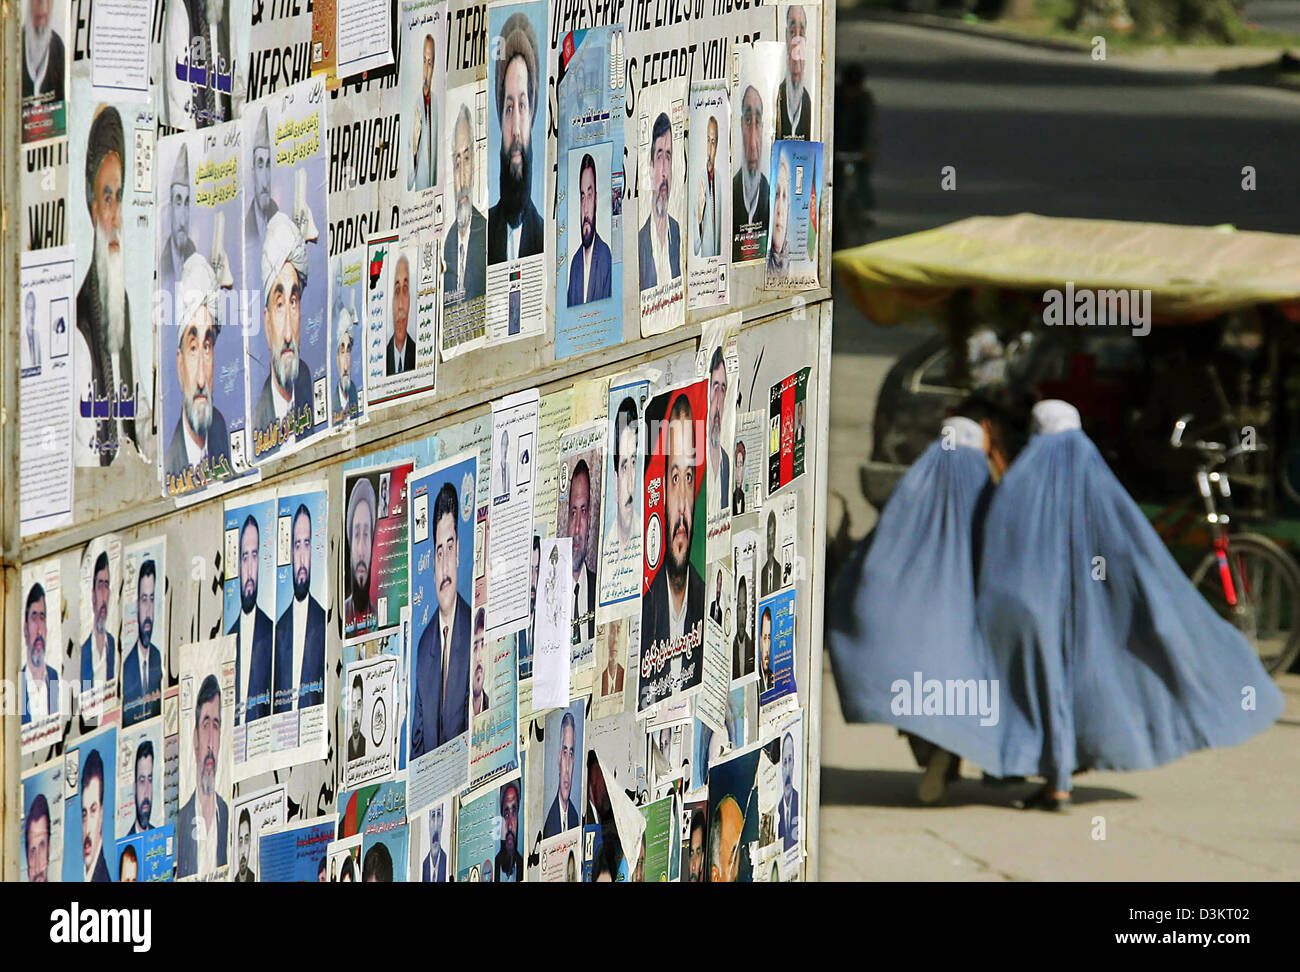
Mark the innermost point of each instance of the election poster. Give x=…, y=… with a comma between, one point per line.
x=249, y=598
x=42, y=695
x=286, y=236
x=442, y=522
x=299, y=723
x=518, y=168
x=709, y=208
x=42, y=827
x=376, y=581
x=590, y=193
x=202, y=304
x=796, y=184
x=672, y=602
x=112, y=157
x=661, y=211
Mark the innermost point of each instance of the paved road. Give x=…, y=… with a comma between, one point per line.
x=1051, y=133
x=1274, y=14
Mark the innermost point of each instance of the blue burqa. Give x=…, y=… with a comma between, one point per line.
x=905, y=644
x=1109, y=657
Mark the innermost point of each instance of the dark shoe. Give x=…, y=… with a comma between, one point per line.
x=1001, y=782
x=1042, y=799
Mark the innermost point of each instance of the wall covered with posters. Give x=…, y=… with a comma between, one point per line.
x=417, y=516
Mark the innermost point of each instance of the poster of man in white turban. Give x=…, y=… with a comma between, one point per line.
x=200, y=279
x=289, y=357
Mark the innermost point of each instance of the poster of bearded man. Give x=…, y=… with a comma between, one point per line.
x=517, y=171
x=288, y=360
x=110, y=157
x=200, y=286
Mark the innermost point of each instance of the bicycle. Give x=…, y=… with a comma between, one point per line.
x=1247, y=578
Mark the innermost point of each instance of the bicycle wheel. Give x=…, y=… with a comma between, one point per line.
x=1267, y=586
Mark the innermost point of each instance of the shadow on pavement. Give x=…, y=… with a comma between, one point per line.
x=895, y=788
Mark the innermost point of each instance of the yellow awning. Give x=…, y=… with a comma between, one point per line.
x=1191, y=271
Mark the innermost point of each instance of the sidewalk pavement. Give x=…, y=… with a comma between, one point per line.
x=1233, y=63
x=1217, y=815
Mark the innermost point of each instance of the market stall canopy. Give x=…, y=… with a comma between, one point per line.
x=1193, y=272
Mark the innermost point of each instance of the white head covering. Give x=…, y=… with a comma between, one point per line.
x=197, y=288
x=963, y=432
x=282, y=244
x=181, y=169
x=344, y=326
x=262, y=132
x=1052, y=415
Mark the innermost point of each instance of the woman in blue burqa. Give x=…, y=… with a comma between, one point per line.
x=905, y=644
x=1108, y=656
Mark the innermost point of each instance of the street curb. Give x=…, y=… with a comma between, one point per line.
x=1265, y=75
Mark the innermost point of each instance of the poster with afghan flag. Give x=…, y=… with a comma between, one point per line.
x=786, y=431
x=672, y=604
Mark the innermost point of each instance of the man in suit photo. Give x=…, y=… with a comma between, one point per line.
x=143, y=783
x=142, y=670
x=674, y=605
x=788, y=829
x=356, y=741
x=515, y=228
x=793, y=104
x=424, y=127
x=287, y=390
x=715, y=609
x=770, y=580
x=589, y=269
x=765, y=649
x=708, y=238
x=742, y=645
x=465, y=249
x=201, y=439
x=584, y=577
x=92, y=818
x=479, y=696
x=434, y=865
x=203, y=823
x=509, y=862
x=738, y=494
x=244, y=846
x=563, y=816
x=253, y=632
x=399, y=356
x=719, y=497
x=38, y=682
x=611, y=675
x=442, y=655
x=300, y=632
x=99, y=651
x=659, y=244
x=749, y=186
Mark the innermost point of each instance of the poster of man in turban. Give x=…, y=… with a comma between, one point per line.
x=286, y=267
x=44, y=69
x=517, y=169
x=113, y=344
x=200, y=277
